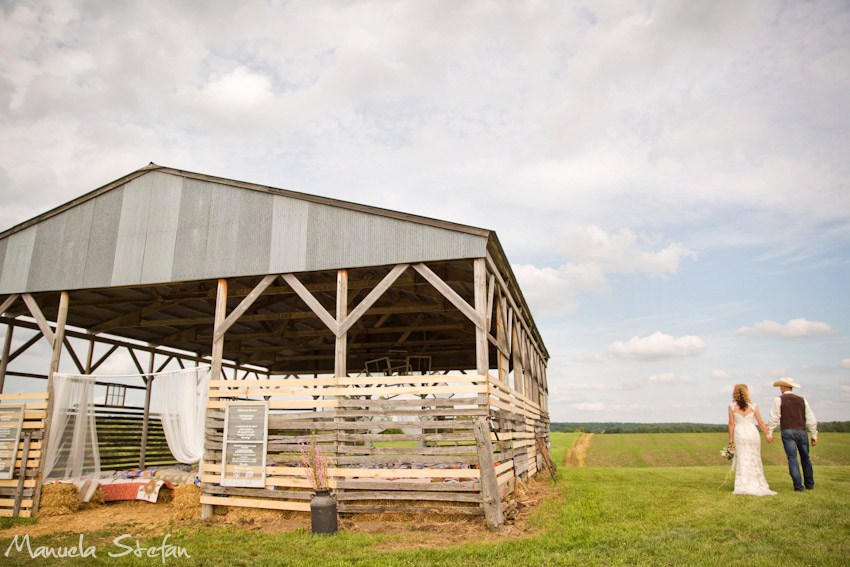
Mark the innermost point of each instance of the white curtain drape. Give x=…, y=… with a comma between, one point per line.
x=181, y=397
x=72, y=450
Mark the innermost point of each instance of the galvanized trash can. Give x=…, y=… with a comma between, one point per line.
x=323, y=513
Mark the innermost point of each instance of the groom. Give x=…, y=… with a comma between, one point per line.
x=793, y=415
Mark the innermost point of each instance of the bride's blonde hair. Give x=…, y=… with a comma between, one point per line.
x=741, y=396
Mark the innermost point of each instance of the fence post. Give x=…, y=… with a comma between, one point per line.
x=490, y=497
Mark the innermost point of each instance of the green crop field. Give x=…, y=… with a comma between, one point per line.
x=699, y=449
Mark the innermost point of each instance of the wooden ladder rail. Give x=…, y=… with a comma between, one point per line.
x=541, y=446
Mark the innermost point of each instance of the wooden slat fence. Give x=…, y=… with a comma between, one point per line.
x=17, y=495
x=399, y=444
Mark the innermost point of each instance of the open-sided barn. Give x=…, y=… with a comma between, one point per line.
x=401, y=344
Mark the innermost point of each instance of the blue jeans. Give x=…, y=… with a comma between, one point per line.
x=795, y=440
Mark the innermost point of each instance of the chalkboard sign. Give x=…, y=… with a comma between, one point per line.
x=246, y=435
x=11, y=422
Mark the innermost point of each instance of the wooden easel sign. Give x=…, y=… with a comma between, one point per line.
x=246, y=435
x=11, y=422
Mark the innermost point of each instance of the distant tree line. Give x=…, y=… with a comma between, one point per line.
x=621, y=427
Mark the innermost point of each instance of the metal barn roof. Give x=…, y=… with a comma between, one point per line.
x=160, y=225
x=141, y=255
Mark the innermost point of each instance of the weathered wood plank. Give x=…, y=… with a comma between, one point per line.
x=409, y=495
x=255, y=503
x=491, y=498
x=345, y=508
x=472, y=314
x=311, y=302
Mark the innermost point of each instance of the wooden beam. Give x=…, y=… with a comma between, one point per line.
x=340, y=350
x=243, y=306
x=80, y=368
x=218, y=345
x=39, y=318
x=133, y=318
x=311, y=302
x=491, y=289
x=61, y=317
x=7, y=303
x=4, y=359
x=370, y=299
x=146, y=414
x=482, y=356
x=103, y=358
x=207, y=510
x=475, y=315
x=135, y=360
x=495, y=270
x=490, y=496
x=31, y=341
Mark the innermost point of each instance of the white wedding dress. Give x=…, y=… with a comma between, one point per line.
x=749, y=473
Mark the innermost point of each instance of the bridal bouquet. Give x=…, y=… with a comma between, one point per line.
x=728, y=452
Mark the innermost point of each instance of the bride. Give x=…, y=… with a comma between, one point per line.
x=749, y=473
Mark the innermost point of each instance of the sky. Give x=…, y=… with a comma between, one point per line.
x=668, y=179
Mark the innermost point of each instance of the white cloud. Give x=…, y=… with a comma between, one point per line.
x=589, y=357
x=588, y=406
x=554, y=291
x=595, y=253
x=237, y=90
x=720, y=375
x=669, y=378
x=845, y=363
x=793, y=329
x=658, y=345
x=624, y=252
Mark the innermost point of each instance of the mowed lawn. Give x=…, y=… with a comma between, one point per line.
x=660, y=516
x=699, y=449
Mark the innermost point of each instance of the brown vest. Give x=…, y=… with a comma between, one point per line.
x=793, y=412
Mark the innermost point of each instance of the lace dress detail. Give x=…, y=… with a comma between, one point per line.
x=749, y=472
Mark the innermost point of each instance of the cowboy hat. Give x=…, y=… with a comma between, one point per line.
x=785, y=381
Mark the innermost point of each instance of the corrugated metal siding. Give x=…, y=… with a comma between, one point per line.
x=339, y=237
x=161, y=233
x=132, y=232
x=192, y=227
x=100, y=256
x=3, y=244
x=288, y=246
x=160, y=227
x=16, y=264
x=60, y=250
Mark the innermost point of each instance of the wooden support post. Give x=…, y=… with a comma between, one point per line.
x=19, y=491
x=341, y=349
x=215, y=367
x=56, y=339
x=4, y=361
x=490, y=497
x=482, y=356
x=147, y=412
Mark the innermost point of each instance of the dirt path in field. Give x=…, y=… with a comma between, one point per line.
x=577, y=456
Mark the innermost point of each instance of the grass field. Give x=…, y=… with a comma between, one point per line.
x=660, y=516
x=699, y=449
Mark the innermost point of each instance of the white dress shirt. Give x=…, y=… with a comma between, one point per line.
x=776, y=413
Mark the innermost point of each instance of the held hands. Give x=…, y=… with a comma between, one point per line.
x=769, y=438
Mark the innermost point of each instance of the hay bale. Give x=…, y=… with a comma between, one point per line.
x=238, y=514
x=186, y=502
x=59, y=500
x=96, y=501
